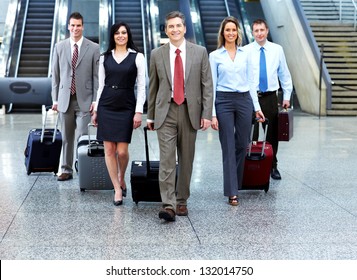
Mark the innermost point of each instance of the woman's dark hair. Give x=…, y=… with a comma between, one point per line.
x=115, y=27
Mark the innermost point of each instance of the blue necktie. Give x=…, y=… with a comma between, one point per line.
x=263, y=79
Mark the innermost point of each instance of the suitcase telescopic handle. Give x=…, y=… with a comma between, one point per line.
x=90, y=125
x=44, y=125
x=147, y=149
x=255, y=121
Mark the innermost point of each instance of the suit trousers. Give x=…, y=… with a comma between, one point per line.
x=269, y=106
x=234, y=114
x=74, y=124
x=176, y=135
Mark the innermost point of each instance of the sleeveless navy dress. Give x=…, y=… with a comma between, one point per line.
x=116, y=107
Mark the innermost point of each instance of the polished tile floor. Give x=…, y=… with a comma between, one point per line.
x=310, y=214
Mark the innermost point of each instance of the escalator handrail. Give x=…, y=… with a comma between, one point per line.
x=144, y=28
x=54, y=33
x=21, y=38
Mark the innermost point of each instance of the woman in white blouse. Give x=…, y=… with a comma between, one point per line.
x=118, y=111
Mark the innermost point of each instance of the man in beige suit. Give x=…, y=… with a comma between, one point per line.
x=74, y=89
x=177, y=122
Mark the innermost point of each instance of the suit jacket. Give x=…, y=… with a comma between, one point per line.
x=86, y=74
x=198, y=84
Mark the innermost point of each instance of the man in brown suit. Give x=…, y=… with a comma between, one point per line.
x=177, y=123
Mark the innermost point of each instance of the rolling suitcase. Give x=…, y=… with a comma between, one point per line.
x=92, y=170
x=144, y=177
x=43, y=148
x=258, y=163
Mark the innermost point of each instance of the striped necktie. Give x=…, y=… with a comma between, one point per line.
x=74, y=64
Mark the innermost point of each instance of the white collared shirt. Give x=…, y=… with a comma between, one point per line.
x=79, y=44
x=140, y=80
x=182, y=48
x=277, y=68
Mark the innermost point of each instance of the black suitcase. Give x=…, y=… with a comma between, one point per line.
x=43, y=148
x=144, y=177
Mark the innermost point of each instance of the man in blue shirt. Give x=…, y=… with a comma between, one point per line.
x=275, y=70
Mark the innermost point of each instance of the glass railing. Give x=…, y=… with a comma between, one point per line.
x=13, y=35
x=6, y=47
x=106, y=19
x=59, y=28
x=196, y=23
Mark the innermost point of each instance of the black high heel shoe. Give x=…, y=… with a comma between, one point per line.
x=123, y=191
x=117, y=202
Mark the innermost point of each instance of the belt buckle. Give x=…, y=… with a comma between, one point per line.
x=115, y=87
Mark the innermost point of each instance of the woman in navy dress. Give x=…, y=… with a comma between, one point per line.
x=117, y=110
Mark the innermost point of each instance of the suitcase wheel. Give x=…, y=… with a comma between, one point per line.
x=266, y=188
x=28, y=172
x=76, y=165
x=83, y=190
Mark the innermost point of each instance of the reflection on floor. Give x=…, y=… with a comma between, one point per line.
x=310, y=214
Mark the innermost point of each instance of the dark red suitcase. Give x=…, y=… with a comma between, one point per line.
x=258, y=163
x=43, y=148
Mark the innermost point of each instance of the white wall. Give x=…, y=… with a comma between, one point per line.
x=286, y=30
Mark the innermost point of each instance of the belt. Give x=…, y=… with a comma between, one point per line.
x=266, y=93
x=184, y=101
x=116, y=87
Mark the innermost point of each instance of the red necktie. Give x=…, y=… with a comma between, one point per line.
x=74, y=63
x=179, y=95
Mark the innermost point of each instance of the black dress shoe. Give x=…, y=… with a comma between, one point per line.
x=167, y=214
x=275, y=174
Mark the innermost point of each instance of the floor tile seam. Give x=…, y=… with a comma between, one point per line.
x=17, y=211
x=321, y=194
x=194, y=230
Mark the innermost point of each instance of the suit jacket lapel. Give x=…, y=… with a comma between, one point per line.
x=82, y=51
x=68, y=52
x=166, y=59
x=189, y=57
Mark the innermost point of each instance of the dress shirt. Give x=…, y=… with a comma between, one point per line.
x=79, y=44
x=182, y=48
x=277, y=68
x=140, y=79
x=231, y=76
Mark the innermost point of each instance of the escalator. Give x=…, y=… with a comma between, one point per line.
x=26, y=82
x=36, y=45
x=130, y=13
x=212, y=13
